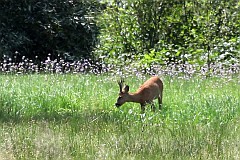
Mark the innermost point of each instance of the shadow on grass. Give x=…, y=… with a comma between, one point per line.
x=84, y=116
x=90, y=119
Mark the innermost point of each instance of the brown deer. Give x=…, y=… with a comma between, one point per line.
x=150, y=90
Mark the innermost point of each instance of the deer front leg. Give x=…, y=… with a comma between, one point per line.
x=142, y=107
x=153, y=107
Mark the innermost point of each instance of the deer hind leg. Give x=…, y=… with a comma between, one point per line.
x=160, y=101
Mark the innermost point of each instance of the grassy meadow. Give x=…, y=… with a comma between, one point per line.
x=72, y=116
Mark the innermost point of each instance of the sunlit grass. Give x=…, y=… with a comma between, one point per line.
x=72, y=116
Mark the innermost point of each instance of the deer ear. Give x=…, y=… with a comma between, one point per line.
x=126, y=88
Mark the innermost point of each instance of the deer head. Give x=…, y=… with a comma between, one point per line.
x=123, y=93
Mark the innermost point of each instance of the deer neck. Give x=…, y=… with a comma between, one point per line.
x=134, y=97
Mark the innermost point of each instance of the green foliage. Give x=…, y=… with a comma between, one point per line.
x=36, y=28
x=169, y=31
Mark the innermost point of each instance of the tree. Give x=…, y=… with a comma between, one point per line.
x=42, y=28
x=169, y=31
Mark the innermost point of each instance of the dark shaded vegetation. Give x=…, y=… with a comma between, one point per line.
x=36, y=29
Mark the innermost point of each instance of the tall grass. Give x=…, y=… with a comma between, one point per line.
x=72, y=116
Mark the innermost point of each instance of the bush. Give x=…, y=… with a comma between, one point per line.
x=38, y=29
x=169, y=31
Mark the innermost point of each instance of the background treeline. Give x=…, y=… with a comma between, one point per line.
x=120, y=32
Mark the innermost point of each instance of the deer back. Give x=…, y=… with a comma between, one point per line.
x=150, y=90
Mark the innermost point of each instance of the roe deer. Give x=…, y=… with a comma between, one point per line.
x=150, y=90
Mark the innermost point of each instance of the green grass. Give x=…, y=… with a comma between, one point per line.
x=73, y=117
